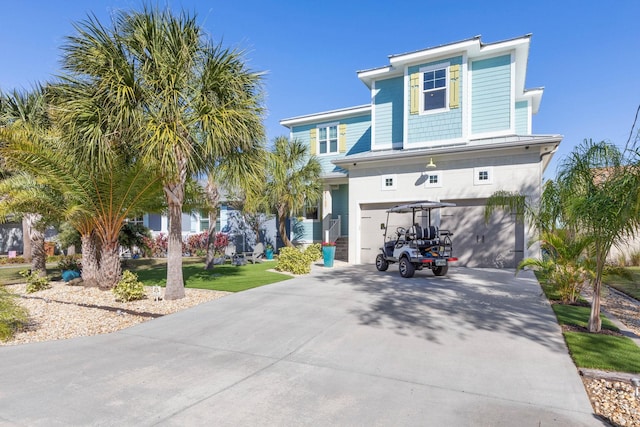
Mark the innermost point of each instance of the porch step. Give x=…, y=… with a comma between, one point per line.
x=342, y=249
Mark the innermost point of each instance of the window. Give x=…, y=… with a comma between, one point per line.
x=482, y=176
x=434, y=89
x=388, y=182
x=138, y=220
x=328, y=139
x=310, y=211
x=433, y=179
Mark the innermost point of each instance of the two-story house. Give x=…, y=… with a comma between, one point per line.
x=450, y=123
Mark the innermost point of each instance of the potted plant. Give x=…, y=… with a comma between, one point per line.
x=328, y=253
x=268, y=251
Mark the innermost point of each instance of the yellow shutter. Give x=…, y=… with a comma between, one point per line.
x=454, y=86
x=414, y=93
x=313, y=140
x=342, y=138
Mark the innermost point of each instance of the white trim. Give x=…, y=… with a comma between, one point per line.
x=434, y=67
x=406, y=99
x=512, y=95
x=326, y=116
x=529, y=122
x=465, y=94
x=327, y=125
x=437, y=142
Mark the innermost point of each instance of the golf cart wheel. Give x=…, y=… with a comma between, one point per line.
x=441, y=271
x=406, y=268
x=381, y=263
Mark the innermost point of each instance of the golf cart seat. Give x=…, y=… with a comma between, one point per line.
x=424, y=236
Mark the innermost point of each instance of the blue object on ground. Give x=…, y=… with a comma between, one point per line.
x=68, y=275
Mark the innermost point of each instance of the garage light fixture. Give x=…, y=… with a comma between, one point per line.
x=431, y=165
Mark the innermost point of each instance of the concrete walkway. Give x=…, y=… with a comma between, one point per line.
x=345, y=346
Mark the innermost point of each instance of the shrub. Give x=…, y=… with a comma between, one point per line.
x=13, y=317
x=634, y=258
x=14, y=260
x=157, y=246
x=69, y=262
x=35, y=282
x=129, y=288
x=196, y=243
x=314, y=251
x=294, y=261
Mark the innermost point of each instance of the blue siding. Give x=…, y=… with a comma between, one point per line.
x=306, y=231
x=358, y=139
x=522, y=118
x=491, y=94
x=388, y=111
x=436, y=126
x=340, y=206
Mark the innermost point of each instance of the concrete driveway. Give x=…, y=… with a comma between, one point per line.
x=344, y=346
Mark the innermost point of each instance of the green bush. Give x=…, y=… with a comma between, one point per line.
x=13, y=317
x=69, y=262
x=14, y=260
x=129, y=288
x=314, y=251
x=294, y=261
x=35, y=282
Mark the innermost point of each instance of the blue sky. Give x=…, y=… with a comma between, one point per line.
x=585, y=53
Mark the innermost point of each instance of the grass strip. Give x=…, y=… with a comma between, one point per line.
x=579, y=316
x=604, y=352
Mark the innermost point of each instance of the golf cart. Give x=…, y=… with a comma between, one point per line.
x=415, y=245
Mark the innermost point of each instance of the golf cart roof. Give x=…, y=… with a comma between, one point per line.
x=426, y=205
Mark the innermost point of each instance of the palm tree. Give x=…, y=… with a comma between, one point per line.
x=25, y=113
x=599, y=193
x=185, y=101
x=293, y=180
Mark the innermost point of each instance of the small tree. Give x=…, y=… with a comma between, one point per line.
x=293, y=179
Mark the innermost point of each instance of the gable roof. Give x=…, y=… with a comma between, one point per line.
x=473, y=48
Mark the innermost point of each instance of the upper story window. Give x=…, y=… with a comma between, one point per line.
x=328, y=139
x=434, y=89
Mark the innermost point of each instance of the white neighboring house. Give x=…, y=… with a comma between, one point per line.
x=451, y=123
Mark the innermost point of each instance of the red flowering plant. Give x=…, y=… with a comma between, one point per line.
x=328, y=244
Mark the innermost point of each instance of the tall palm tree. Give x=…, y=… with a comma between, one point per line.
x=184, y=100
x=25, y=113
x=293, y=180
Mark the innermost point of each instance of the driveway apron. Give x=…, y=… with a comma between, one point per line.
x=343, y=346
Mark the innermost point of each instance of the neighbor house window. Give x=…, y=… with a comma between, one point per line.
x=388, y=182
x=482, y=176
x=328, y=139
x=434, y=88
x=433, y=179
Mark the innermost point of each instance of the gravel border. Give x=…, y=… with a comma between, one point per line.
x=65, y=311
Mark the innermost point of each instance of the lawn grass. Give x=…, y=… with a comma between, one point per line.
x=594, y=351
x=579, y=316
x=153, y=271
x=604, y=352
x=226, y=277
x=629, y=285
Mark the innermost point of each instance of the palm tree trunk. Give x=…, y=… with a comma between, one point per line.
x=36, y=237
x=282, y=227
x=26, y=239
x=110, y=268
x=213, y=198
x=211, y=241
x=90, y=265
x=595, y=322
x=175, y=282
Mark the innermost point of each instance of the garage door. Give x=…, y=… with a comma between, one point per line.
x=371, y=235
x=497, y=244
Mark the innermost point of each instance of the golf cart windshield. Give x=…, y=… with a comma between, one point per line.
x=426, y=205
